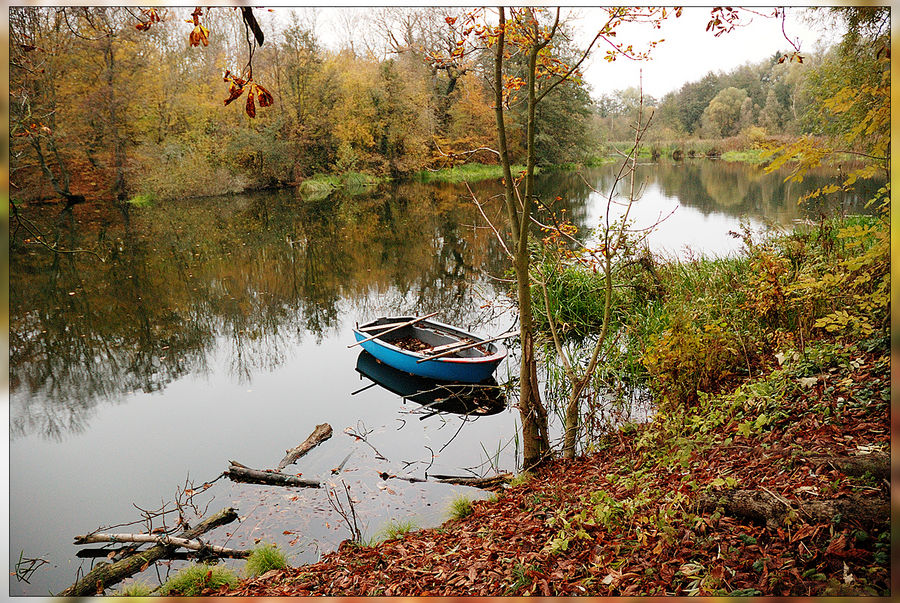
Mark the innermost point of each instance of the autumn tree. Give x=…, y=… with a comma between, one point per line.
x=722, y=117
x=531, y=39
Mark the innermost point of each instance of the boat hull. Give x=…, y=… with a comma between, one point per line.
x=474, y=367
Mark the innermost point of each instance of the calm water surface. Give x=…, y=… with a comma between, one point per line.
x=218, y=330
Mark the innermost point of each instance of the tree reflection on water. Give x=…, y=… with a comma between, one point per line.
x=255, y=276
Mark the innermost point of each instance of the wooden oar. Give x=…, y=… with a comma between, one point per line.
x=466, y=346
x=400, y=326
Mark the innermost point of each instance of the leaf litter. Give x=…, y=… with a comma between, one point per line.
x=624, y=521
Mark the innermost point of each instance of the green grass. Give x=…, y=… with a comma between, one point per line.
x=264, y=558
x=467, y=172
x=320, y=186
x=395, y=529
x=746, y=156
x=460, y=507
x=142, y=200
x=192, y=580
x=520, y=479
x=136, y=589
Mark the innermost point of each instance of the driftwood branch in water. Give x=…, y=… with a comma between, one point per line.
x=766, y=507
x=485, y=483
x=107, y=574
x=320, y=434
x=185, y=543
x=242, y=473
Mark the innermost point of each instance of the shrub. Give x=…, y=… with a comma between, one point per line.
x=264, y=558
x=193, y=580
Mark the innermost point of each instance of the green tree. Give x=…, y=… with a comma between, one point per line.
x=722, y=117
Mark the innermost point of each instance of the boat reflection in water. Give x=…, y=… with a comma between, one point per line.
x=485, y=398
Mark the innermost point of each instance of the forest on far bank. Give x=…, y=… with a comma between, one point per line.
x=114, y=102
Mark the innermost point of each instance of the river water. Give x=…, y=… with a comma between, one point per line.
x=218, y=329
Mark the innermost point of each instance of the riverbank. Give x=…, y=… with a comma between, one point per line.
x=95, y=183
x=661, y=509
x=769, y=482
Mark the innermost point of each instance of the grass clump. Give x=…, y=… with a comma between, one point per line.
x=264, y=558
x=520, y=479
x=460, y=507
x=193, y=580
x=136, y=589
x=395, y=529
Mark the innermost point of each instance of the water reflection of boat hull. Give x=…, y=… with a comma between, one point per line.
x=472, y=364
x=485, y=398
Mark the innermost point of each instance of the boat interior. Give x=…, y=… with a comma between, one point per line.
x=430, y=340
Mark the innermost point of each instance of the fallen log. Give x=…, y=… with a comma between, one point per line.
x=765, y=507
x=485, y=483
x=105, y=575
x=320, y=434
x=185, y=543
x=242, y=473
x=877, y=464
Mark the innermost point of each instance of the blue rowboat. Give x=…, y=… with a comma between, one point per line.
x=407, y=347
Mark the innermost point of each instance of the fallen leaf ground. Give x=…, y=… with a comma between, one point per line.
x=624, y=519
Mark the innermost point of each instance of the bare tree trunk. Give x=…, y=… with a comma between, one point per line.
x=536, y=443
x=118, y=144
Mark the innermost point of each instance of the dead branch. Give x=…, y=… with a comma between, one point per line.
x=241, y=473
x=347, y=514
x=320, y=434
x=362, y=437
x=105, y=575
x=185, y=543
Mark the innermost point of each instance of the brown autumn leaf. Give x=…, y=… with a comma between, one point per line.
x=200, y=35
x=251, y=106
x=263, y=96
x=234, y=91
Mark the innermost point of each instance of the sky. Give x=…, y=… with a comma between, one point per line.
x=687, y=52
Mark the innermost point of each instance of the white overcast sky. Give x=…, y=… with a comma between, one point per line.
x=687, y=53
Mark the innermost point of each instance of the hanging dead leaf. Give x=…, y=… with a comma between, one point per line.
x=233, y=92
x=264, y=96
x=200, y=35
x=251, y=105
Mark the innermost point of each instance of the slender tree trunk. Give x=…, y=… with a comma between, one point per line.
x=118, y=144
x=536, y=442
